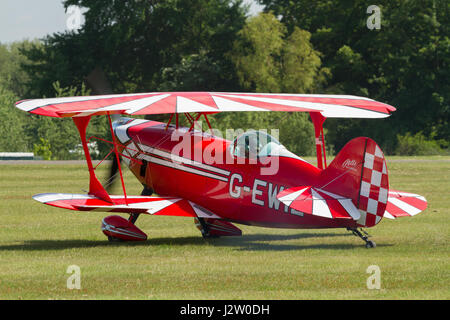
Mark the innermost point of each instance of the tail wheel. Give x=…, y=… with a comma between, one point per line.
x=370, y=244
x=363, y=235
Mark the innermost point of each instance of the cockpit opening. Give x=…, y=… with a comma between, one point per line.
x=257, y=144
x=254, y=144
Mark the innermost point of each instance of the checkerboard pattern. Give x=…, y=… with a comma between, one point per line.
x=373, y=195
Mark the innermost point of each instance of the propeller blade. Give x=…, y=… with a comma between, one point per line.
x=99, y=84
x=113, y=174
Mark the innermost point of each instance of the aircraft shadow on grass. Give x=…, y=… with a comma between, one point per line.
x=252, y=242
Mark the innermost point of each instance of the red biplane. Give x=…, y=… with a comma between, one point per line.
x=253, y=180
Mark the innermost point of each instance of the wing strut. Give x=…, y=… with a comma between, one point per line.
x=318, y=120
x=191, y=120
x=95, y=187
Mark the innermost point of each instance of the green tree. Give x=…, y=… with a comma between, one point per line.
x=134, y=41
x=301, y=64
x=43, y=149
x=196, y=72
x=405, y=63
x=61, y=136
x=256, y=53
x=267, y=59
x=12, y=130
x=12, y=76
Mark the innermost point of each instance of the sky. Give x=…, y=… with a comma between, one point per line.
x=30, y=19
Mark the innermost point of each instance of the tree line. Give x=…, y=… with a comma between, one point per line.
x=215, y=45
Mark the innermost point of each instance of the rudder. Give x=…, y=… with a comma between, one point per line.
x=359, y=172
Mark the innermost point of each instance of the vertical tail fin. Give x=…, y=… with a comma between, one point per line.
x=359, y=172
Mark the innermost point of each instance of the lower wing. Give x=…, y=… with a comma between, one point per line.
x=160, y=206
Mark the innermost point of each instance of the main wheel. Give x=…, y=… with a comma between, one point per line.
x=114, y=239
x=208, y=236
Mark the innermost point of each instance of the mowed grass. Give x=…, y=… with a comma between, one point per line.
x=38, y=243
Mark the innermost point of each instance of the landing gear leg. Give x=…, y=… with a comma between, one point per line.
x=363, y=235
x=147, y=191
x=133, y=217
x=204, y=229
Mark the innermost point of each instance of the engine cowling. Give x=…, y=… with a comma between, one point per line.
x=119, y=228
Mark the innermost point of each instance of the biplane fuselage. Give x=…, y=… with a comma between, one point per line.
x=238, y=189
x=216, y=181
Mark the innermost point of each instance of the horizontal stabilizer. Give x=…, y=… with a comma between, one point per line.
x=404, y=204
x=319, y=202
x=160, y=206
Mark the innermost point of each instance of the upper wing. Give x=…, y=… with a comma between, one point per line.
x=330, y=106
x=160, y=206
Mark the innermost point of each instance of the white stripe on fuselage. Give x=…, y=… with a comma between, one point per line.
x=180, y=167
x=122, y=135
x=173, y=157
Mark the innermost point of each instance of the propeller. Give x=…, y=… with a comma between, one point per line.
x=99, y=84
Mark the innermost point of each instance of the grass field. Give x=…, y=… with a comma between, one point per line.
x=38, y=243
